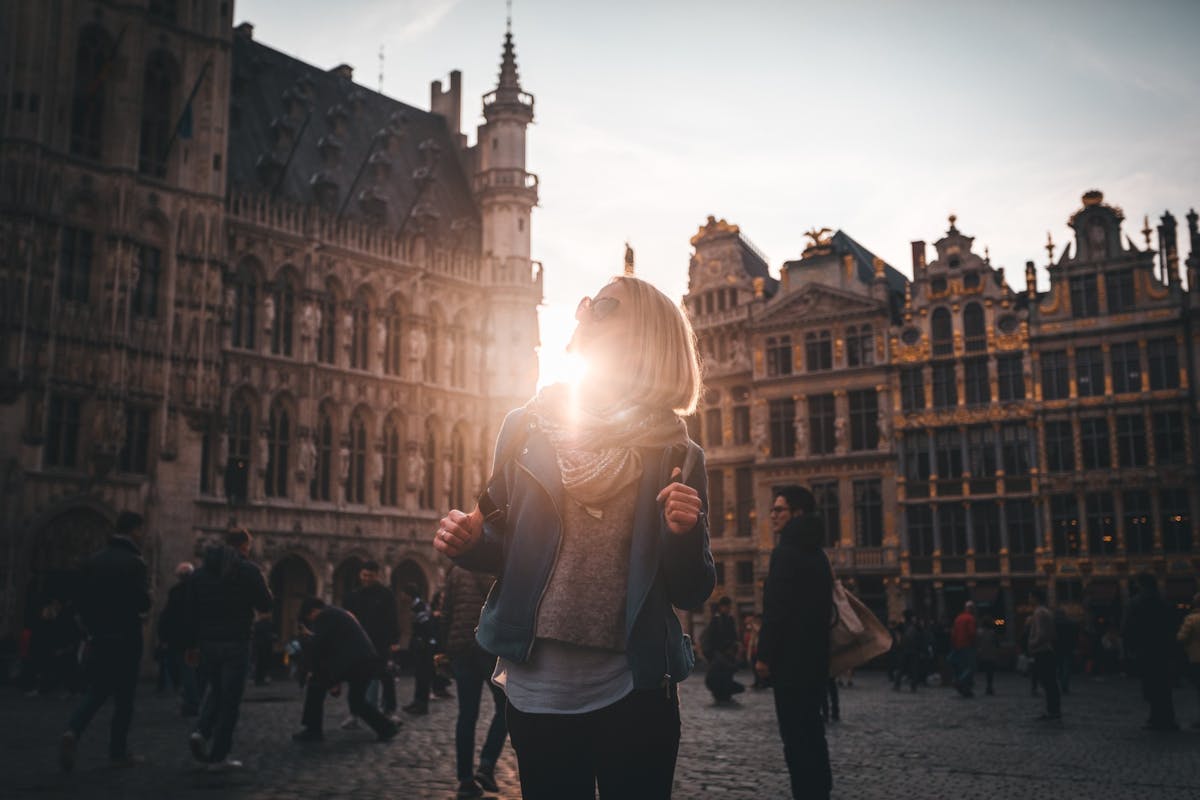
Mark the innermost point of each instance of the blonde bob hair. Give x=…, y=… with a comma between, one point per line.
x=664, y=368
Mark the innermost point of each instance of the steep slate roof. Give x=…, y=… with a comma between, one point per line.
x=864, y=260
x=755, y=265
x=263, y=75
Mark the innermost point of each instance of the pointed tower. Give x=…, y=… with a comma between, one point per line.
x=507, y=195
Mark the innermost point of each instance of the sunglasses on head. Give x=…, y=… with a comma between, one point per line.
x=597, y=310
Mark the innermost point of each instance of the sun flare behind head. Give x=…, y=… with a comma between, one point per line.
x=555, y=364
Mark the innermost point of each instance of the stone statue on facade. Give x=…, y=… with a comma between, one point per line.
x=344, y=464
x=839, y=433
x=883, y=423
x=416, y=470
x=307, y=458
x=418, y=347
x=268, y=315
x=800, y=429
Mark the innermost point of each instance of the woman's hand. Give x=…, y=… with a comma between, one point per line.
x=681, y=504
x=458, y=532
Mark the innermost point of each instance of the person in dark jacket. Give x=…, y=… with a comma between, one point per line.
x=1149, y=635
x=721, y=631
x=173, y=638
x=910, y=643
x=337, y=650
x=793, y=646
x=222, y=598
x=113, y=600
x=375, y=606
x=263, y=640
x=463, y=598
x=421, y=645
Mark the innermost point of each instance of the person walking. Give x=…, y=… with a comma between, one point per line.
x=337, y=650
x=962, y=655
x=1148, y=634
x=262, y=639
x=594, y=524
x=1066, y=637
x=421, y=644
x=462, y=601
x=1041, y=649
x=793, y=645
x=988, y=651
x=1189, y=638
x=113, y=600
x=173, y=638
x=222, y=597
x=911, y=645
x=375, y=607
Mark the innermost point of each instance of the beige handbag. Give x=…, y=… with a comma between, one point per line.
x=856, y=635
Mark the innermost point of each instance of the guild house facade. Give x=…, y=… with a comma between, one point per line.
x=964, y=439
x=239, y=289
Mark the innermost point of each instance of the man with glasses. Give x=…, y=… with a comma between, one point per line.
x=793, y=645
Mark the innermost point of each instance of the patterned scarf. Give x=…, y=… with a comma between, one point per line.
x=597, y=448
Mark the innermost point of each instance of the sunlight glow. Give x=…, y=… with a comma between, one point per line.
x=555, y=364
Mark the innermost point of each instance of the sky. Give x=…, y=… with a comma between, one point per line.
x=878, y=117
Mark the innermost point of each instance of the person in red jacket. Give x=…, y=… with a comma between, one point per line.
x=962, y=644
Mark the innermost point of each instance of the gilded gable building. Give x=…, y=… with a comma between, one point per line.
x=964, y=439
x=239, y=289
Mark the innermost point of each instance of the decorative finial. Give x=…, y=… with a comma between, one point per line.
x=907, y=294
x=628, y=259
x=1030, y=279
x=381, y=69
x=1049, y=247
x=953, y=219
x=508, y=18
x=1146, y=229
x=987, y=255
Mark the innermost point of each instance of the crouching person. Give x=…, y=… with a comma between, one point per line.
x=338, y=650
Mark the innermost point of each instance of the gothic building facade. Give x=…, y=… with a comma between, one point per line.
x=239, y=289
x=964, y=440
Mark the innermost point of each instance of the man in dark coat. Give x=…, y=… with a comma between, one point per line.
x=223, y=596
x=793, y=646
x=421, y=646
x=338, y=650
x=173, y=636
x=1149, y=637
x=375, y=606
x=113, y=600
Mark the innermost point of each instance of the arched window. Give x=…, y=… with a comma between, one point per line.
x=360, y=318
x=241, y=440
x=393, y=356
x=245, y=306
x=458, y=355
x=356, y=480
x=278, y=445
x=390, y=487
x=327, y=330
x=158, y=87
x=429, y=456
x=458, y=469
x=974, y=334
x=93, y=62
x=285, y=310
x=943, y=332
x=322, y=479
x=434, y=351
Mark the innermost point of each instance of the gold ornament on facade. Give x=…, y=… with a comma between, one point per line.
x=714, y=228
x=819, y=243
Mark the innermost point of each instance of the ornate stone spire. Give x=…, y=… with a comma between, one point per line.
x=509, y=87
x=629, y=269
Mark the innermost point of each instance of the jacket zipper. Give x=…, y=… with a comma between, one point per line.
x=557, y=547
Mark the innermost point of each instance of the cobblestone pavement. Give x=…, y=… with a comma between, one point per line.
x=891, y=745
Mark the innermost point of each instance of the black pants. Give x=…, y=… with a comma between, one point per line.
x=1045, y=672
x=1157, y=684
x=628, y=749
x=264, y=654
x=112, y=671
x=988, y=668
x=313, y=717
x=422, y=674
x=798, y=710
x=387, y=683
x=831, y=704
x=224, y=665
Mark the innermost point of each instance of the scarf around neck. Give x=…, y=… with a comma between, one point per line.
x=597, y=449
